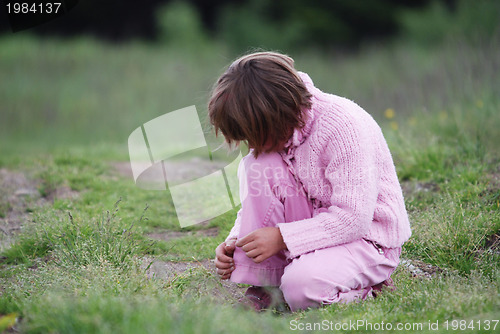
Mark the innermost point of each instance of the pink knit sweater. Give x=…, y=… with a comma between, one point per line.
x=343, y=161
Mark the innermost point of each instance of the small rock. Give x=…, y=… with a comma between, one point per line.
x=25, y=192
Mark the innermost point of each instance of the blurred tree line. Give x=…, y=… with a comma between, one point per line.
x=278, y=24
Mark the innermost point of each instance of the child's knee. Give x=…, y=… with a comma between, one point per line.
x=301, y=288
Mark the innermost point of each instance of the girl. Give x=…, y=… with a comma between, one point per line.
x=323, y=216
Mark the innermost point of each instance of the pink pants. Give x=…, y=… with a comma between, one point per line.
x=337, y=274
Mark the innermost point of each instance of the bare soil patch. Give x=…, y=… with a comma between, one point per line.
x=421, y=269
x=169, y=271
x=19, y=195
x=412, y=188
x=492, y=192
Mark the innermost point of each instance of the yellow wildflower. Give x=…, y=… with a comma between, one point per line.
x=389, y=113
x=443, y=115
x=7, y=321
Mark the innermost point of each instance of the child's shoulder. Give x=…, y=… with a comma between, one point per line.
x=333, y=115
x=343, y=120
x=342, y=112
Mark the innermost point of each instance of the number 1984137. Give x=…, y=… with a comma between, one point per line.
x=33, y=8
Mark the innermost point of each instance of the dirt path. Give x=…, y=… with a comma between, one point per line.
x=17, y=194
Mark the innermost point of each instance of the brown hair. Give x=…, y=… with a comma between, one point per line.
x=259, y=99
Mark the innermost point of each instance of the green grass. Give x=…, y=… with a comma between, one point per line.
x=78, y=265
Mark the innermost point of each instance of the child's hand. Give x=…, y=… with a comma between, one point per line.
x=262, y=243
x=224, y=259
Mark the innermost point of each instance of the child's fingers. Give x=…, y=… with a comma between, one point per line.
x=231, y=244
x=249, y=246
x=253, y=253
x=229, y=248
x=224, y=258
x=223, y=265
x=259, y=258
x=225, y=277
x=223, y=272
x=245, y=240
x=221, y=254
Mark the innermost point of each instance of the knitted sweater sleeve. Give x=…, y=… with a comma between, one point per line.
x=347, y=147
x=235, y=230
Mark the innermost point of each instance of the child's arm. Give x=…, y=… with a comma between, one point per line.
x=359, y=169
